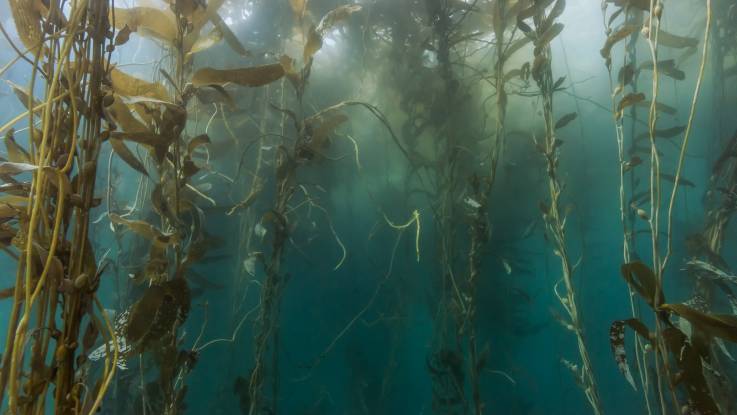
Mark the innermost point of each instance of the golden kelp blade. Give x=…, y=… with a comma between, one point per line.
x=614, y=38
x=206, y=42
x=127, y=155
x=550, y=34
x=628, y=100
x=145, y=230
x=16, y=153
x=333, y=17
x=12, y=169
x=124, y=118
x=28, y=23
x=253, y=76
x=124, y=84
x=640, y=277
x=314, y=43
x=147, y=21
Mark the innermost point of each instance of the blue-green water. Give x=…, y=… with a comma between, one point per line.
x=371, y=310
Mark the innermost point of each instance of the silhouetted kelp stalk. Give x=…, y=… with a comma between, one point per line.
x=545, y=30
x=46, y=220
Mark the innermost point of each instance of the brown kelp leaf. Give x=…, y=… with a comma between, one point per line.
x=555, y=12
x=23, y=96
x=335, y=16
x=544, y=40
x=253, y=76
x=27, y=18
x=718, y=325
x=666, y=67
x=626, y=74
x=124, y=84
x=617, y=343
x=316, y=33
x=640, y=277
x=206, y=42
x=321, y=127
x=565, y=120
x=674, y=41
x=124, y=118
x=228, y=35
x=127, y=155
x=516, y=45
x=614, y=38
x=154, y=140
x=123, y=35
x=217, y=94
x=16, y=153
x=534, y=8
x=142, y=313
x=629, y=100
x=313, y=44
x=7, y=167
x=147, y=21
x=145, y=230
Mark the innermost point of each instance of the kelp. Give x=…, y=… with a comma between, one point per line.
x=614, y=38
x=16, y=153
x=127, y=155
x=717, y=325
x=146, y=230
x=617, y=343
x=642, y=279
x=565, y=120
x=146, y=21
x=629, y=100
x=252, y=76
x=27, y=18
x=330, y=20
x=124, y=84
x=666, y=67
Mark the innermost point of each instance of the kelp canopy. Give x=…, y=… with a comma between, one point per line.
x=368, y=207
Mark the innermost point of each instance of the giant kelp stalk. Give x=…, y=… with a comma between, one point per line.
x=545, y=30
x=49, y=193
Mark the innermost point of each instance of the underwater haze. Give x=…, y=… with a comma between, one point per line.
x=390, y=207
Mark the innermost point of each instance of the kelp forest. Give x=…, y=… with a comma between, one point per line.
x=313, y=207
